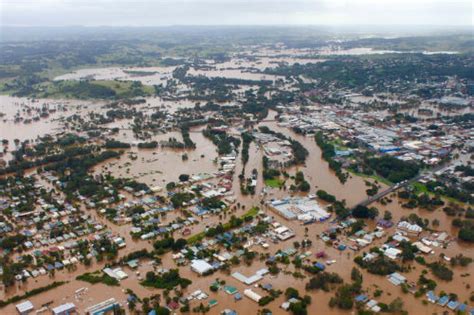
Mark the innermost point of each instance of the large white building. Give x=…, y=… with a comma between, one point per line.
x=200, y=266
x=303, y=209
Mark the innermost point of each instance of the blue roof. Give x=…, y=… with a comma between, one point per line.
x=237, y=296
x=443, y=300
x=267, y=286
x=431, y=296
x=453, y=304
x=462, y=307
x=271, y=259
x=341, y=247
x=389, y=149
x=361, y=298
x=319, y=265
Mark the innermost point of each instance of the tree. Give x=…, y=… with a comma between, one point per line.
x=396, y=305
x=291, y=293
x=466, y=234
x=183, y=177
x=441, y=271
x=356, y=275
x=305, y=186
x=160, y=310
x=298, y=308
x=364, y=212
x=179, y=244
x=343, y=298
x=408, y=251
x=170, y=186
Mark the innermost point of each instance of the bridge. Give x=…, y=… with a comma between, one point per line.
x=396, y=187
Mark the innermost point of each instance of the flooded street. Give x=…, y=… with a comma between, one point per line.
x=193, y=130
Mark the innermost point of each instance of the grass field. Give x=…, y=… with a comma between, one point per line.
x=117, y=89
x=374, y=177
x=274, y=182
x=419, y=188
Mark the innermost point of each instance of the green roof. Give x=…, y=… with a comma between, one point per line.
x=230, y=289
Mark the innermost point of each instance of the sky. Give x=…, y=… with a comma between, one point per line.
x=234, y=12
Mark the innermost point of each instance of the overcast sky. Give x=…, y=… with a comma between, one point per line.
x=234, y=12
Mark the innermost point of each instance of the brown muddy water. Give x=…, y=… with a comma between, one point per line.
x=159, y=166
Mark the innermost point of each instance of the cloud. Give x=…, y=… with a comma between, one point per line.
x=234, y=12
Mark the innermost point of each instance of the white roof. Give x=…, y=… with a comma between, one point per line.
x=200, y=266
x=422, y=247
x=410, y=227
x=281, y=229
x=392, y=252
x=25, y=306
x=63, y=308
x=120, y=273
x=252, y=295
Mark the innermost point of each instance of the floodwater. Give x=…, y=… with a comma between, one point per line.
x=156, y=167
x=21, y=119
x=146, y=75
x=234, y=74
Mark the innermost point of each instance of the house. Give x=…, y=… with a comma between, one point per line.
x=24, y=307
x=320, y=266
x=64, y=309
x=103, y=307
x=370, y=257
x=286, y=305
x=117, y=273
x=373, y=306
x=423, y=248
x=284, y=233
x=453, y=305
x=252, y=279
x=252, y=295
x=410, y=228
x=392, y=253
x=432, y=297
x=361, y=298
x=443, y=300
x=133, y=264
x=201, y=267
x=396, y=278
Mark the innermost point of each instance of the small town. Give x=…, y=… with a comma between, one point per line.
x=236, y=169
